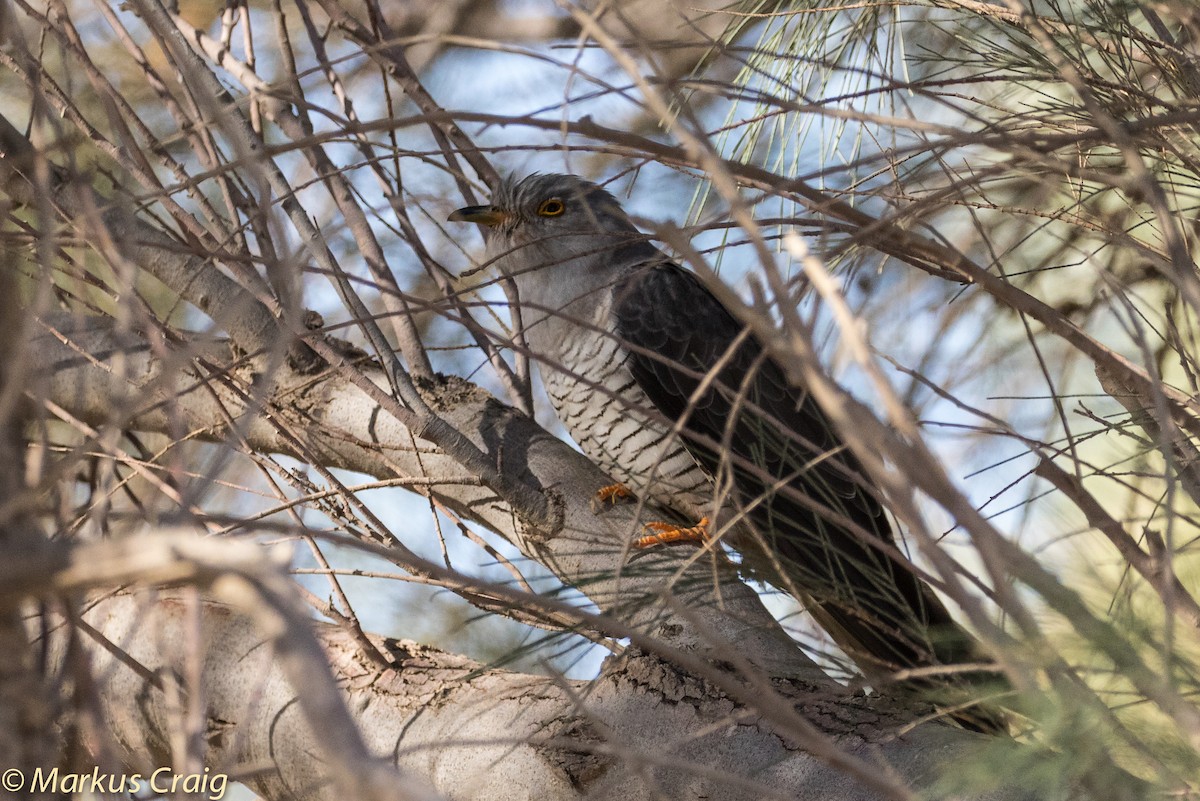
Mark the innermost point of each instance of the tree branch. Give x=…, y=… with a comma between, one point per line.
x=345, y=429
x=478, y=733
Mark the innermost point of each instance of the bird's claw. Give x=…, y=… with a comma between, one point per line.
x=607, y=497
x=667, y=533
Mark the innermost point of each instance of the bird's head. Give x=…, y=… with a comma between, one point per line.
x=543, y=222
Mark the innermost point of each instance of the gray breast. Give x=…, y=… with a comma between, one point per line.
x=607, y=413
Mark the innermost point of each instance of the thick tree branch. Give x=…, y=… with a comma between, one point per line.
x=345, y=428
x=477, y=733
x=236, y=574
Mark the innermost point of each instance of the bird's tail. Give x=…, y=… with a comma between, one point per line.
x=831, y=545
x=885, y=618
x=941, y=661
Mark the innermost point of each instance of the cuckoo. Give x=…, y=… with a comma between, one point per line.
x=663, y=388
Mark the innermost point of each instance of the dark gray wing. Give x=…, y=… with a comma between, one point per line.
x=801, y=491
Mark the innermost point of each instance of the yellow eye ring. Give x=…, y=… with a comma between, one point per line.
x=552, y=207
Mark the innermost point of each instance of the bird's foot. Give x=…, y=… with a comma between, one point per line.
x=609, y=496
x=667, y=533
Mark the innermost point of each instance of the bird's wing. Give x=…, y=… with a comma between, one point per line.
x=800, y=490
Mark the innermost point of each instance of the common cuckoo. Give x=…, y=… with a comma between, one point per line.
x=666, y=391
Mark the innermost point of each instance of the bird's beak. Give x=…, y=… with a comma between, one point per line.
x=484, y=215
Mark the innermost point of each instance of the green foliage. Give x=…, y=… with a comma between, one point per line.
x=1056, y=144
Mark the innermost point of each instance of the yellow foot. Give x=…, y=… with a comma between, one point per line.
x=610, y=496
x=666, y=533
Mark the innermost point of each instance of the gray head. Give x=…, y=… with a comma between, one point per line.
x=556, y=225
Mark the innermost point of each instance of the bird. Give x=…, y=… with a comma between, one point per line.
x=663, y=388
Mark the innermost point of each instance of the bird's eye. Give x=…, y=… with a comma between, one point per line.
x=552, y=207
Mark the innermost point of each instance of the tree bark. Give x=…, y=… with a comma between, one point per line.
x=643, y=729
